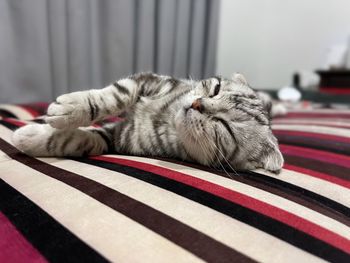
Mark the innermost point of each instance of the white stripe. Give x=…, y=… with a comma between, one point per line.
x=21, y=113
x=244, y=238
x=259, y=194
x=112, y=234
x=314, y=129
x=5, y=134
x=253, y=242
x=107, y=231
x=332, y=191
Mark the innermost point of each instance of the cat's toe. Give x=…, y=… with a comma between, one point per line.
x=66, y=113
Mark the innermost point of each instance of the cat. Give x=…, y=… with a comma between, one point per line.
x=213, y=121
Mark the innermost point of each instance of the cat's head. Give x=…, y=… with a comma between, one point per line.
x=224, y=120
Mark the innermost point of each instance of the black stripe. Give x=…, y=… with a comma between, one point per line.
x=236, y=211
x=84, y=143
x=174, y=83
x=205, y=86
x=218, y=79
x=117, y=132
x=97, y=109
x=331, y=169
x=315, y=143
x=156, y=125
x=157, y=122
x=39, y=121
x=216, y=149
x=66, y=141
x=173, y=99
x=228, y=128
x=173, y=151
x=7, y=114
x=120, y=103
x=125, y=145
x=127, y=138
x=121, y=88
x=311, y=196
x=105, y=108
x=52, y=239
x=296, y=194
x=9, y=125
x=106, y=139
x=88, y=148
x=50, y=144
x=92, y=110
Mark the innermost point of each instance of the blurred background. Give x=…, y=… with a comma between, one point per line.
x=51, y=47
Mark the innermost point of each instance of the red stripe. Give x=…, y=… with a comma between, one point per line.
x=335, y=90
x=319, y=155
x=241, y=199
x=41, y=104
x=315, y=115
x=312, y=135
x=114, y=119
x=15, y=122
x=30, y=110
x=316, y=174
x=14, y=247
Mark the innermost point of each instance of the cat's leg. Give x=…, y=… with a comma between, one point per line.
x=44, y=140
x=82, y=108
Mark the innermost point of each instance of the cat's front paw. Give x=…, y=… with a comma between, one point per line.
x=69, y=111
x=32, y=139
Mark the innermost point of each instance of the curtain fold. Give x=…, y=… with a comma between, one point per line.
x=51, y=47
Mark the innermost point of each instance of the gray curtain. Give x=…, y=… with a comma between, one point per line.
x=50, y=47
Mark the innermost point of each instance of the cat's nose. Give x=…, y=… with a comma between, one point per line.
x=197, y=105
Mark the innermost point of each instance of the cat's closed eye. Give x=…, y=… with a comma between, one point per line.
x=216, y=90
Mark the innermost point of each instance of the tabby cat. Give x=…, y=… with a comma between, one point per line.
x=213, y=122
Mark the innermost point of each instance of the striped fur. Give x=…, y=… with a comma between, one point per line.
x=215, y=122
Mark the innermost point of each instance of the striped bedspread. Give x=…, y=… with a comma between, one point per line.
x=133, y=209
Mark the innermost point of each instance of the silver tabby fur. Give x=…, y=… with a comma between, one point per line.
x=212, y=121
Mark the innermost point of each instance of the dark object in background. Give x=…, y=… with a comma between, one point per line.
x=296, y=81
x=334, y=81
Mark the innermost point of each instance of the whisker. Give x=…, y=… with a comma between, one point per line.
x=204, y=147
x=222, y=166
x=214, y=145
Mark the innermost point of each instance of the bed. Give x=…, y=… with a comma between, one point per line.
x=135, y=209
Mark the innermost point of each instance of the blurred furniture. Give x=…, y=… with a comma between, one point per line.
x=334, y=81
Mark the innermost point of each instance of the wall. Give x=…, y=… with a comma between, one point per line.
x=268, y=40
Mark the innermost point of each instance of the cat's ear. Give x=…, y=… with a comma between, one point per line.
x=266, y=101
x=273, y=108
x=239, y=78
x=272, y=158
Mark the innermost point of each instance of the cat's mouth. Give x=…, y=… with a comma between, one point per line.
x=187, y=110
x=191, y=117
x=190, y=113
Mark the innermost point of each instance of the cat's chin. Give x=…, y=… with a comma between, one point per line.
x=189, y=122
x=188, y=126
